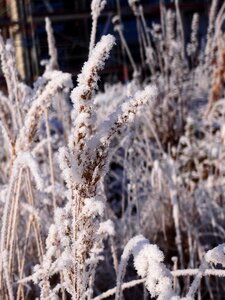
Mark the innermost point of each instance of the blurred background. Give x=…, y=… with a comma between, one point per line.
x=24, y=22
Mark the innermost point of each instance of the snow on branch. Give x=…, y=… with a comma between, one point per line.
x=82, y=98
x=23, y=160
x=123, y=115
x=148, y=263
x=97, y=7
x=53, y=62
x=216, y=255
x=88, y=78
x=92, y=153
x=58, y=82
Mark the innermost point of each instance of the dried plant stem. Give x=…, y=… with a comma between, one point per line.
x=4, y=255
x=19, y=263
x=145, y=26
x=62, y=288
x=11, y=216
x=93, y=34
x=50, y=155
x=21, y=269
x=53, y=62
x=135, y=70
x=218, y=78
x=177, y=273
x=180, y=28
x=114, y=256
x=4, y=235
x=195, y=284
x=209, y=55
x=97, y=7
x=15, y=217
x=64, y=119
x=36, y=226
x=125, y=285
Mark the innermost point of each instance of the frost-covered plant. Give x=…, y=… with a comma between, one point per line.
x=20, y=128
x=148, y=264
x=52, y=64
x=192, y=47
x=75, y=235
x=97, y=7
x=76, y=188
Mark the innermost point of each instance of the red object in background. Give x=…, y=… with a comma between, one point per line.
x=125, y=73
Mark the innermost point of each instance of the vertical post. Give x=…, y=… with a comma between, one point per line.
x=15, y=34
x=34, y=55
